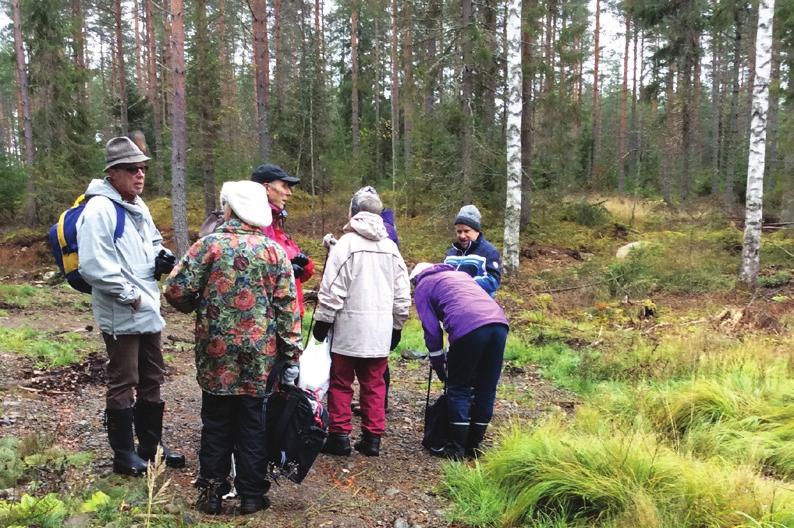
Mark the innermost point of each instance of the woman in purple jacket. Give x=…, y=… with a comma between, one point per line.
x=476, y=331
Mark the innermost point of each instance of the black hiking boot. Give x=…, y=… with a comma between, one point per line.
x=337, y=444
x=368, y=445
x=125, y=460
x=211, y=492
x=475, y=438
x=249, y=505
x=149, y=428
x=458, y=434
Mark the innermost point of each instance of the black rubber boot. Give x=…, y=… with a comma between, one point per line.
x=475, y=438
x=119, y=426
x=211, y=492
x=337, y=444
x=249, y=505
x=458, y=433
x=368, y=445
x=149, y=428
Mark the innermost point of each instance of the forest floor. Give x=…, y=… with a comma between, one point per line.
x=65, y=407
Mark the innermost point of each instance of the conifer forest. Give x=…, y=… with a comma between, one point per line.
x=631, y=161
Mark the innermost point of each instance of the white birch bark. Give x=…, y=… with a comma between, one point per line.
x=513, y=138
x=755, y=166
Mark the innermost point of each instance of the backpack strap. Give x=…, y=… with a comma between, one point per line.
x=275, y=374
x=121, y=218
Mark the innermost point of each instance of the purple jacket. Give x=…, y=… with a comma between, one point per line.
x=388, y=221
x=446, y=296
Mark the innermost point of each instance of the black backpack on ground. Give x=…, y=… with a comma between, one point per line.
x=436, y=419
x=296, y=427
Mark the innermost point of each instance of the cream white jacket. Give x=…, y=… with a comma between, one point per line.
x=365, y=291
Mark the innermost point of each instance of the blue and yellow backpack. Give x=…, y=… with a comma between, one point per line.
x=63, y=241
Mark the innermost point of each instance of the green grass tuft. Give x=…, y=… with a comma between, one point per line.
x=48, y=353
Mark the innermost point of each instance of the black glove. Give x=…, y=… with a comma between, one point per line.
x=396, y=335
x=163, y=264
x=300, y=260
x=297, y=271
x=320, y=331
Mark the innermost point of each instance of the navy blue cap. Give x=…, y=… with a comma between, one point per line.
x=269, y=173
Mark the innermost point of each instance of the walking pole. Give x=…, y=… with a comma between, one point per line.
x=316, y=302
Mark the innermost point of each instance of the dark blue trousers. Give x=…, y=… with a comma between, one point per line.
x=474, y=364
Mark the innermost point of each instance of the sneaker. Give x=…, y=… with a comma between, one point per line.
x=337, y=444
x=249, y=505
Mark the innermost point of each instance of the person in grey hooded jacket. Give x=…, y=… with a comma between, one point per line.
x=125, y=298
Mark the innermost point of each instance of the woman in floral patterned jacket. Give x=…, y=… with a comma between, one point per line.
x=240, y=284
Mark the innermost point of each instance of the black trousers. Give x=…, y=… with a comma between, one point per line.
x=234, y=424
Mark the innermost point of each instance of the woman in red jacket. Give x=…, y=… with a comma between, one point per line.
x=278, y=185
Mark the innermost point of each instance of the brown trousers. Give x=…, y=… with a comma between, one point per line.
x=135, y=369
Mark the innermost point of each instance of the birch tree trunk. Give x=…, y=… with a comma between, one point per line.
x=262, y=61
x=178, y=128
x=513, y=136
x=751, y=261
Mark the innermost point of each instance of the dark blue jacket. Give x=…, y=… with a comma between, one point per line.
x=481, y=260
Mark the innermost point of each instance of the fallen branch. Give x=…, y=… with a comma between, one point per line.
x=177, y=339
x=43, y=391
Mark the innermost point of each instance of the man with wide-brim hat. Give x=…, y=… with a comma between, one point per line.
x=278, y=185
x=121, y=257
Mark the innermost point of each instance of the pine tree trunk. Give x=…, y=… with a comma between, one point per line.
x=354, y=78
x=772, y=118
x=395, y=91
x=280, y=64
x=434, y=35
x=78, y=48
x=207, y=104
x=716, y=115
x=376, y=93
x=624, y=98
x=136, y=19
x=527, y=74
x=121, y=70
x=178, y=128
x=468, y=114
x=634, y=142
x=669, y=137
x=751, y=261
x=25, y=121
x=262, y=69
x=732, y=139
x=596, y=109
x=408, y=95
x=151, y=94
x=513, y=134
x=491, y=73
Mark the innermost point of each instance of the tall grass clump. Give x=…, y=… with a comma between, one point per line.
x=558, y=474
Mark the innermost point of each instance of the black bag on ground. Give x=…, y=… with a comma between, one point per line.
x=436, y=420
x=296, y=427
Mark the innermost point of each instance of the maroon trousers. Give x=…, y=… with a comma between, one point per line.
x=369, y=371
x=136, y=368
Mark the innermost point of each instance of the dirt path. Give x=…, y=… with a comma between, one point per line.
x=402, y=487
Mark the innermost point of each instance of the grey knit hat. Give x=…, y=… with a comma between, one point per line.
x=120, y=150
x=469, y=215
x=366, y=199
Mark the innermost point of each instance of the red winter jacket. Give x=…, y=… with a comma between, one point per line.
x=276, y=232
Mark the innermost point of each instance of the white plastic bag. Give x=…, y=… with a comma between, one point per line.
x=315, y=367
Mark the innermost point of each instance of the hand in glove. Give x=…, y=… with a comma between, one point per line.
x=320, y=331
x=438, y=360
x=299, y=262
x=290, y=374
x=396, y=335
x=329, y=240
x=163, y=264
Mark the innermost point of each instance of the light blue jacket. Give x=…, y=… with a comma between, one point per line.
x=119, y=273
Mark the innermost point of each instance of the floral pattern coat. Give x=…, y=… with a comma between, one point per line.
x=240, y=284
